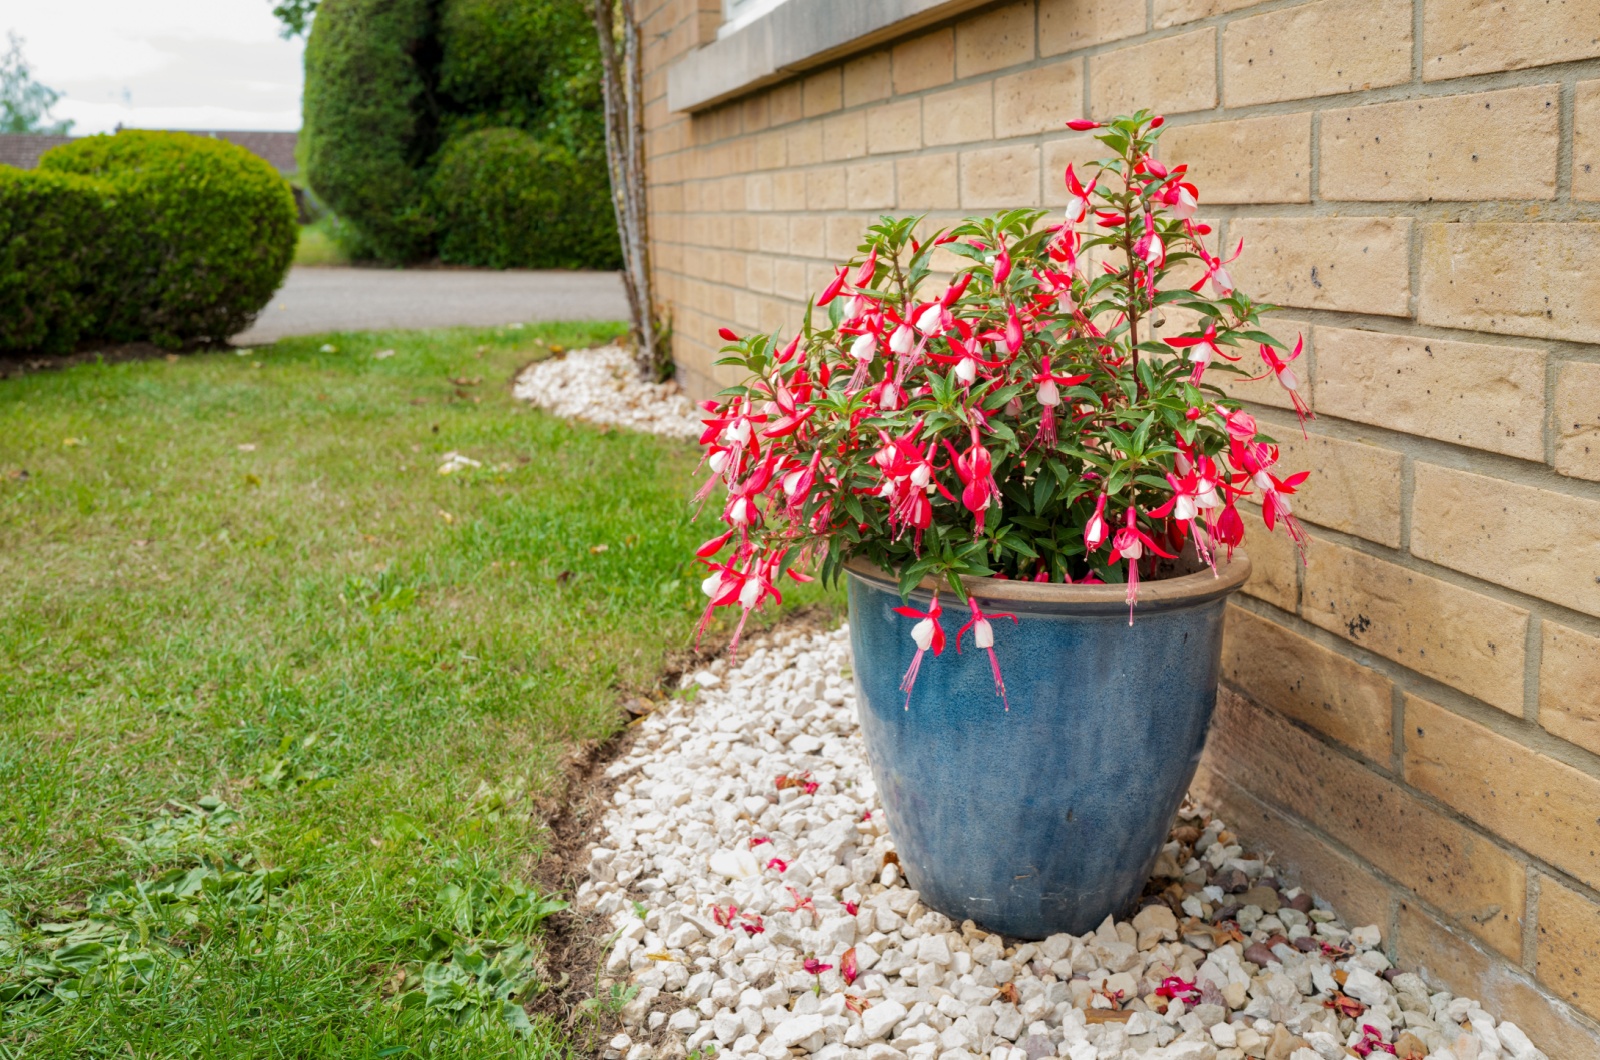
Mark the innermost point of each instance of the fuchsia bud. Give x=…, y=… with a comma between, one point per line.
x=868, y=268
x=953, y=293
x=712, y=547
x=728, y=334
x=1081, y=125
x=831, y=292
x=1095, y=530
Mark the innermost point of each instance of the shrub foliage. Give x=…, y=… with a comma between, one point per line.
x=436, y=127
x=204, y=229
x=369, y=121
x=165, y=237
x=51, y=228
x=506, y=200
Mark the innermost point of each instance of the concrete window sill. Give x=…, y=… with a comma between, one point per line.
x=795, y=36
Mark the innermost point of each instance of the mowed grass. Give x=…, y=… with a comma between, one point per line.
x=241, y=579
x=316, y=244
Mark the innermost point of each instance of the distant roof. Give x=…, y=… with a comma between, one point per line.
x=23, y=149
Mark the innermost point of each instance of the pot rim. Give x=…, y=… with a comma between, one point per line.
x=1167, y=594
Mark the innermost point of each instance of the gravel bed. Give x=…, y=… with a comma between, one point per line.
x=601, y=385
x=759, y=912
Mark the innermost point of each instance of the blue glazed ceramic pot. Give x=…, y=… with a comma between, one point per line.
x=1048, y=817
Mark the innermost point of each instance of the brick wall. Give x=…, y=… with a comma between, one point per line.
x=1416, y=722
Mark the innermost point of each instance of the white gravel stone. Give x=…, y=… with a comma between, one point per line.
x=603, y=386
x=745, y=882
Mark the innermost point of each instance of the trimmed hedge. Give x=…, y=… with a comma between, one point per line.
x=370, y=121
x=508, y=201
x=165, y=237
x=401, y=99
x=49, y=253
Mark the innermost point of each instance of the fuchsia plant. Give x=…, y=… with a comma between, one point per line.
x=1045, y=417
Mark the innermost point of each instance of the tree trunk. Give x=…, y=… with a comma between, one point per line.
x=623, y=93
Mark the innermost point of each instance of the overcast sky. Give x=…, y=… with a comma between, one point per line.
x=161, y=64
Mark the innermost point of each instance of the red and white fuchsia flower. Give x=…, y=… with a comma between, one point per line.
x=1021, y=419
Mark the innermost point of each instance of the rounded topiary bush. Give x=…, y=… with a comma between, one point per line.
x=370, y=122
x=50, y=230
x=201, y=234
x=507, y=200
x=412, y=106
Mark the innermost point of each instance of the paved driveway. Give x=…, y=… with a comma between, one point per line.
x=312, y=300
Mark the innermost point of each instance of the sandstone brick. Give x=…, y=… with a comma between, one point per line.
x=1274, y=564
x=871, y=186
x=789, y=190
x=758, y=192
x=1486, y=145
x=823, y=92
x=1038, y=100
x=1488, y=397
x=772, y=150
x=808, y=239
x=844, y=235
x=1316, y=49
x=1448, y=961
x=1067, y=25
x=1354, y=486
x=757, y=113
x=803, y=143
x=958, y=115
x=1544, y=806
x=867, y=79
x=928, y=182
x=758, y=273
x=1169, y=75
x=1000, y=177
x=1586, y=141
x=825, y=188
x=1512, y=279
x=1349, y=264
x=895, y=127
x=1569, y=677
x=1245, y=160
x=789, y=280
x=844, y=136
x=1078, y=151
x=1461, y=37
x=772, y=236
x=1317, y=687
x=1449, y=866
x=995, y=40
x=925, y=62
x=785, y=104
x=1577, y=420
x=1177, y=12
x=1568, y=947
x=1534, y=540
x=1454, y=635
x=1300, y=856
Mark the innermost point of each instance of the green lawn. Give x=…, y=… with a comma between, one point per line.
x=315, y=244
x=277, y=698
